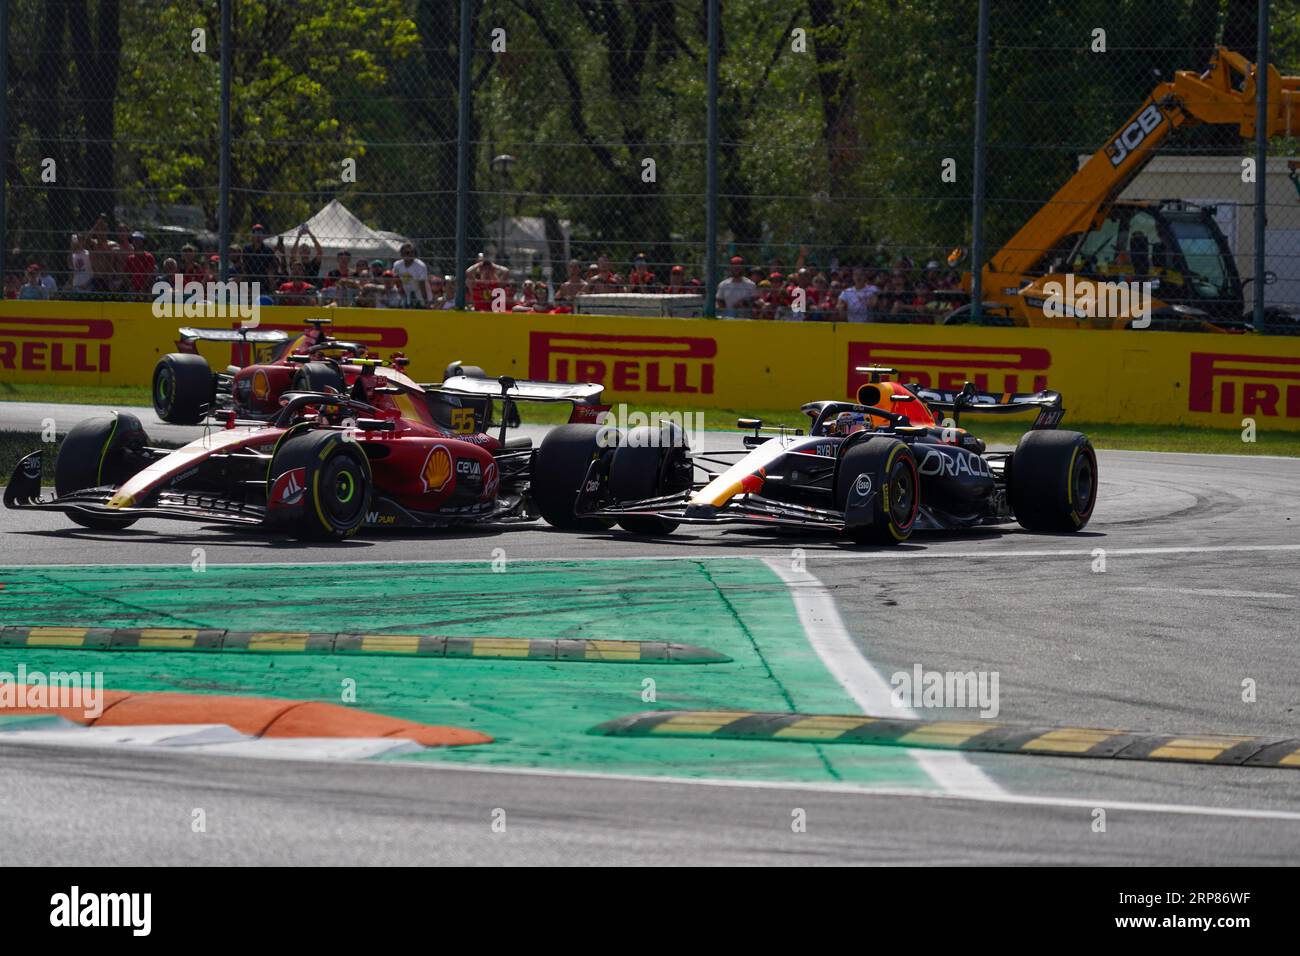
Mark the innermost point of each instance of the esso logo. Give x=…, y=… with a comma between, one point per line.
x=862, y=487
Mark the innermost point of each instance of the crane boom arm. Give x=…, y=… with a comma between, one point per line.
x=1222, y=95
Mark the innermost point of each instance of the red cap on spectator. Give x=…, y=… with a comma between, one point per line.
x=258, y=227
x=215, y=260
x=679, y=268
x=34, y=267
x=776, y=275
x=737, y=260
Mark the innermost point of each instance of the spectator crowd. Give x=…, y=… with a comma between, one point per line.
x=121, y=265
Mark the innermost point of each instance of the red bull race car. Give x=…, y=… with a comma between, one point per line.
x=877, y=470
x=381, y=452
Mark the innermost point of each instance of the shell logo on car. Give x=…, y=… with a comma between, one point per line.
x=436, y=473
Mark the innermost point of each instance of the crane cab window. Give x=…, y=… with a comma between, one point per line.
x=1200, y=248
x=1097, y=252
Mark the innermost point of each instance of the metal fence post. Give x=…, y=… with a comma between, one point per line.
x=223, y=193
x=1261, y=159
x=462, y=152
x=981, y=150
x=711, y=172
x=4, y=130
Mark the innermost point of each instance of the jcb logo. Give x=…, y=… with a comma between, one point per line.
x=1134, y=134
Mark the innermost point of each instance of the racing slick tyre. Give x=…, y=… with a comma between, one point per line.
x=559, y=468
x=97, y=452
x=182, y=388
x=318, y=486
x=887, y=466
x=649, y=462
x=1052, y=484
x=317, y=377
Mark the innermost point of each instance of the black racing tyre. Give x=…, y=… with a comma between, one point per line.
x=648, y=463
x=559, y=468
x=329, y=499
x=885, y=466
x=318, y=377
x=182, y=388
x=99, y=451
x=1052, y=482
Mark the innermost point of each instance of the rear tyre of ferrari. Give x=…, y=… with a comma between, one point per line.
x=559, y=469
x=328, y=493
x=182, y=388
x=648, y=463
x=99, y=451
x=1052, y=484
x=884, y=467
x=318, y=377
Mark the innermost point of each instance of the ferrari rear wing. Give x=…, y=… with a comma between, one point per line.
x=583, y=397
x=247, y=345
x=262, y=336
x=525, y=390
x=970, y=399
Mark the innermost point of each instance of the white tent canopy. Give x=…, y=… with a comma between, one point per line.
x=336, y=228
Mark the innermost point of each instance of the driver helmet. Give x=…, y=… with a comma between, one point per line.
x=846, y=423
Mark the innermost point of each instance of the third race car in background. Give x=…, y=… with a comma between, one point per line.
x=876, y=469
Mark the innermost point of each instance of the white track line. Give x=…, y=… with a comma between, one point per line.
x=1001, y=797
x=828, y=636
x=857, y=790
x=1212, y=592
x=875, y=554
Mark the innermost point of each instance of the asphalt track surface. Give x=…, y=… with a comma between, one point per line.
x=1201, y=591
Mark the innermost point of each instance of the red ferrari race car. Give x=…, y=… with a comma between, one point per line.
x=385, y=453
x=876, y=470
x=185, y=390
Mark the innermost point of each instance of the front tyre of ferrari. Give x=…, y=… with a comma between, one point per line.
x=884, y=469
x=182, y=388
x=97, y=452
x=1052, y=484
x=318, y=486
x=648, y=463
x=559, y=468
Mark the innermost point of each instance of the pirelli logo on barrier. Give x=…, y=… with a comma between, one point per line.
x=990, y=368
x=1244, y=384
x=55, y=344
x=650, y=364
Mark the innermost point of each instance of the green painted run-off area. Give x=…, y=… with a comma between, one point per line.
x=539, y=712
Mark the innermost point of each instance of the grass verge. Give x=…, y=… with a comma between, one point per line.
x=113, y=395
